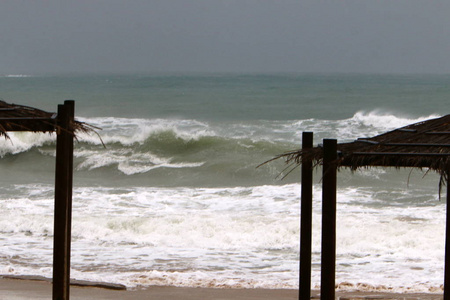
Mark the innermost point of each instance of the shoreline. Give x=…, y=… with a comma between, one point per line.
x=36, y=287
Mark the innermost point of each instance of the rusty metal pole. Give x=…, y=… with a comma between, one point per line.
x=447, y=243
x=328, y=260
x=63, y=201
x=304, y=292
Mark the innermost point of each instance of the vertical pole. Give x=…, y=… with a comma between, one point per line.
x=63, y=201
x=447, y=243
x=70, y=105
x=328, y=264
x=306, y=221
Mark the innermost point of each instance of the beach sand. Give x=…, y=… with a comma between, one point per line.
x=18, y=289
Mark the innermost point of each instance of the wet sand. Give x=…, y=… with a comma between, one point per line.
x=19, y=289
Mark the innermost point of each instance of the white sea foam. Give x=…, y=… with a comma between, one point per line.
x=224, y=237
x=16, y=75
x=180, y=232
x=127, y=161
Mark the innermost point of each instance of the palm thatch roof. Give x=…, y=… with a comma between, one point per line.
x=15, y=117
x=424, y=144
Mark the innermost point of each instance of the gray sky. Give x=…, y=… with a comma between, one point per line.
x=381, y=36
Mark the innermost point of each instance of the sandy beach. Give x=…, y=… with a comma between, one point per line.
x=18, y=289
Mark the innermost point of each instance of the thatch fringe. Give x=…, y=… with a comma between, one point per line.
x=15, y=117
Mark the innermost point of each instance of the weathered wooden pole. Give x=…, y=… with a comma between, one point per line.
x=306, y=221
x=447, y=243
x=63, y=201
x=328, y=260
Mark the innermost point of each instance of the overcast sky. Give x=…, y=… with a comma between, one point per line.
x=380, y=36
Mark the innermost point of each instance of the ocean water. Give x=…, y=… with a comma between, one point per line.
x=175, y=197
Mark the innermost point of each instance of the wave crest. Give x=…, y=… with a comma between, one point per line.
x=361, y=124
x=24, y=141
x=386, y=121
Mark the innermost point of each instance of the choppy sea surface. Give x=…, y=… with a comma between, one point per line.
x=175, y=197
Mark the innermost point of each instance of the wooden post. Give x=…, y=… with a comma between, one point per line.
x=328, y=260
x=63, y=201
x=306, y=221
x=447, y=243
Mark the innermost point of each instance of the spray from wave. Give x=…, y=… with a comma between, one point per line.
x=361, y=124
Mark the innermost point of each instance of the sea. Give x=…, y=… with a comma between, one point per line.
x=168, y=191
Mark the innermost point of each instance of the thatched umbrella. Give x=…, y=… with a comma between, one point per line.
x=24, y=118
x=424, y=144
x=421, y=145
